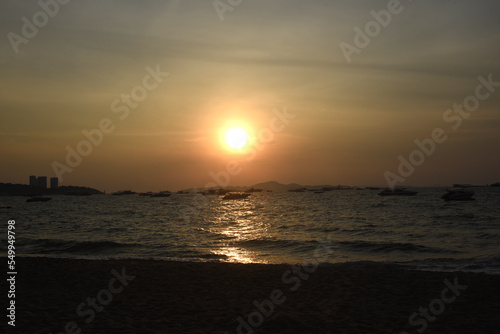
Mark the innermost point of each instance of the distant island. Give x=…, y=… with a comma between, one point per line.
x=12, y=189
x=280, y=187
x=276, y=186
x=273, y=186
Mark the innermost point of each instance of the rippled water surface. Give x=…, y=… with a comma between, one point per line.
x=338, y=226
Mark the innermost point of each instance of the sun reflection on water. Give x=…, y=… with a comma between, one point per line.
x=238, y=255
x=235, y=222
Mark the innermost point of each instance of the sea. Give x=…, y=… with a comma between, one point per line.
x=354, y=226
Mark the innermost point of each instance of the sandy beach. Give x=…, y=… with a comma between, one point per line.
x=139, y=296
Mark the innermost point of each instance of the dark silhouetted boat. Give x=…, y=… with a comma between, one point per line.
x=458, y=195
x=397, y=192
x=236, y=196
x=161, y=194
x=341, y=187
x=218, y=191
x=123, y=192
x=298, y=190
x=39, y=199
x=253, y=190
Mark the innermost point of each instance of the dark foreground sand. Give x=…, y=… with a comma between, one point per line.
x=174, y=297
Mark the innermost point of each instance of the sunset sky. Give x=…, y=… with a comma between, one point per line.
x=350, y=121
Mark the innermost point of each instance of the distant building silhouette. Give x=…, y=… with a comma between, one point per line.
x=40, y=181
x=54, y=183
x=33, y=181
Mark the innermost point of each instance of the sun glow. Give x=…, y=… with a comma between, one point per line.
x=236, y=138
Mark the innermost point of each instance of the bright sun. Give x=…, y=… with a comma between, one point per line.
x=236, y=138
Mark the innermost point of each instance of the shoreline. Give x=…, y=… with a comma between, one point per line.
x=347, y=264
x=158, y=296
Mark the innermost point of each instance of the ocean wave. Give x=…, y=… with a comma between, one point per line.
x=279, y=243
x=353, y=246
x=71, y=246
x=386, y=247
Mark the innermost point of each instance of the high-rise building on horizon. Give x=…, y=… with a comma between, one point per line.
x=42, y=182
x=33, y=181
x=54, y=182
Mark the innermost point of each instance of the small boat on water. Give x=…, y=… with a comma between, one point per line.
x=458, y=195
x=123, y=192
x=38, y=199
x=236, y=195
x=253, y=190
x=397, y=192
x=218, y=191
x=161, y=194
x=298, y=190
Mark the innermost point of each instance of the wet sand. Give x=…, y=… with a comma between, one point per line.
x=143, y=296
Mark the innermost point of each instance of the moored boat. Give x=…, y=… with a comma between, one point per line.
x=38, y=199
x=236, y=195
x=253, y=190
x=297, y=190
x=161, y=194
x=458, y=195
x=123, y=192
